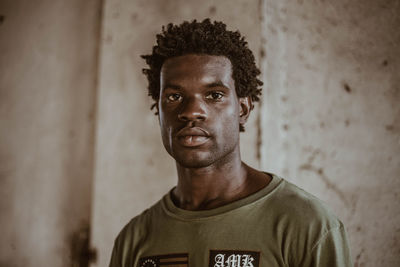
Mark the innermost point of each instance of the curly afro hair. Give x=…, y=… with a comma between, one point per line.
x=206, y=37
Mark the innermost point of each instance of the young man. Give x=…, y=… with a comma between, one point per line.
x=222, y=212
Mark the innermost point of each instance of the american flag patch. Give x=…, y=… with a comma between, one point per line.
x=168, y=260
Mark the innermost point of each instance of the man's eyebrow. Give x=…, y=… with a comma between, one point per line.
x=172, y=86
x=216, y=84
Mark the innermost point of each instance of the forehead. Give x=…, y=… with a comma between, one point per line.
x=207, y=68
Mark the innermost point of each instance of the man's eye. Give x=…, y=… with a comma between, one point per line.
x=174, y=97
x=215, y=95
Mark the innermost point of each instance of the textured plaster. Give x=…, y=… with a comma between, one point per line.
x=133, y=170
x=331, y=116
x=47, y=95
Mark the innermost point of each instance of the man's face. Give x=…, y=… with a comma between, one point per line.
x=199, y=111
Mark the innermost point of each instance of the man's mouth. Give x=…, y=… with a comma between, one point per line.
x=192, y=137
x=192, y=140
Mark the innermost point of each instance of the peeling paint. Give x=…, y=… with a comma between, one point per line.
x=349, y=103
x=134, y=17
x=262, y=53
x=347, y=88
x=49, y=140
x=330, y=185
x=389, y=127
x=309, y=166
x=81, y=253
x=212, y=10
x=357, y=262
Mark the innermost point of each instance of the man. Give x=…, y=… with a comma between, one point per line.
x=203, y=80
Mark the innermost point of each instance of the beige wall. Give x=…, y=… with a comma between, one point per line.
x=331, y=115
x=132, y=169
x=48, y=52
x=329, y=119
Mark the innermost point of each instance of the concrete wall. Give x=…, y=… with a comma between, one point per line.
x=329, y=119
x=331, y=114
x=132, y=169
x=47, y=96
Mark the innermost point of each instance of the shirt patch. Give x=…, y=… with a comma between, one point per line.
x=234, y=258
x=169, y=260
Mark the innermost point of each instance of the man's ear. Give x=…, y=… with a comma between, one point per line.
x=245, y=106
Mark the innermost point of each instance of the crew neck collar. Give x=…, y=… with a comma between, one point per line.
x=173, y=211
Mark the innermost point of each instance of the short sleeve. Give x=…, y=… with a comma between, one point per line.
x=331, y=250
x=115, y=257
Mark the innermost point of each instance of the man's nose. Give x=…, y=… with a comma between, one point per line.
x=193, y=109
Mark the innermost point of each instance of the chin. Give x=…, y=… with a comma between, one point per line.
x=194, y=161
x=193, y=164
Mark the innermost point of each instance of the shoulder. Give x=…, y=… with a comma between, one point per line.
x=303, y=208
x=136, y=230
x=307, y=225
x=133, y=225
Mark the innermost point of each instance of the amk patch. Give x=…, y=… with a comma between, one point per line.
x=168, y=260
x=234, y=258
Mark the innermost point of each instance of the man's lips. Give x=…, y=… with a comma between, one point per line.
x=192, y=140
x=192, y=137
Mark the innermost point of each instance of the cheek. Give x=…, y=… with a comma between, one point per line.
x=166, y=136
x=165, y=126
x=227, y=123
x=229, y=114
x=164, y=117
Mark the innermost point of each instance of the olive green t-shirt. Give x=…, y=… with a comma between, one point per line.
x=280, y=225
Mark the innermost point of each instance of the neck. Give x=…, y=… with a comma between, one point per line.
x=212, y=186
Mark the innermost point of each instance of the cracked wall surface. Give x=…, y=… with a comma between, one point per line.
x=133, y=170
x=331, y=113
x=48, y=62
x=329, y=120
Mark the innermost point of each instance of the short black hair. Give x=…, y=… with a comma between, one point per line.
x=206, y=37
